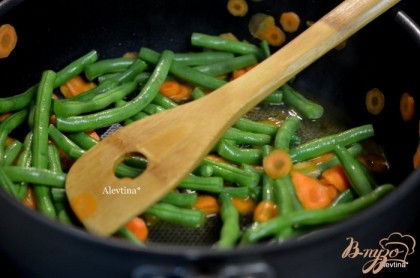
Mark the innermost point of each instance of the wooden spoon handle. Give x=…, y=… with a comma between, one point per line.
x=176, y=140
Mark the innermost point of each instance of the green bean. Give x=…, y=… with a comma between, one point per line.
x=113, y=115
x=355, y=150
x=152, y=108
x=7, y=126
x=285, y=132
x=345, y=197
x=197, y=93
x=265, y=48
x=325, y=144
x=82, y=139
x=208, y=184
x=104, y=66
x=228, y=65
x=12, y=152
x=223, y=44
x=173, y=214
x=38, y=176
x=130, y=74
x=238, y=192
x=202, y=58
x=306, y=107
x=229, y=150
x=71, y=108
x=184, y=200
x=256, y=127
x=184, y=72
x=246, y=138
x=358, y=180
x=267, y=188
x=204, y=170
x=40, y=140
x=58, y=194
x=74, y=68
x=64, y=143
x=164, y=101
x=232, y=173
x=314, y=217
x=230, y=231
x=25, y=160
x=18, y=102
x=7, y=183
x=275, y=97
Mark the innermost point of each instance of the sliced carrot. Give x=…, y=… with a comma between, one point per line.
x=170, y=88
x=183, y=94
x=289, y=21
x=336, y=176
x=237, y=7
x=244, y=206
x=132, y=55
x=8, y=40
x=407, y=107
x=272, y=34
x=321, y=158
x=237, y=73
x=207, y=204
x=375, y=101
x=311, y=193
x=75, y=86
x=229, y=36
x=277, y=163
x=93, y=134
x=216, y=158
x=265, y=211
x=138, y=227
x=29, y=199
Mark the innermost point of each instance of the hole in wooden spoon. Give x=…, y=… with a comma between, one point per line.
x=131, y=166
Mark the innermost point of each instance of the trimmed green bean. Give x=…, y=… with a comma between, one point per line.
x=314, y=217
x=7, y=183
x=275, y=97
x=18, y=102
x=152, y=108
x=130, y=74
x=228, y=65
x=197, y=93
x=304, y=106
x=285, y=132
x=230, y=231
x=38, y=176
x=229, y=150
x=125, y=233
x=173, y=214
x=208, y=184
x=223, y=44
x=241, y=192
x=358, y=180
x=326, y=144
x=118, y=114
x=40, y=140
x=344, y=197
x=202, y=58
x=233, y=174
x=105, y=66
x=256, y=127
x=7, y=126
x=164, y=101
x=12, y=152
x=246, y=138
x=184, y=72
x=72, y=108
x=88, y=95
x=184, y=200
x=25, y=160
x=64, y=143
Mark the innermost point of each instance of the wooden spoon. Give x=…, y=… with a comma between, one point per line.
x=175, y=141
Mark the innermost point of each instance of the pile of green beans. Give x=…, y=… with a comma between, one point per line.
x=127, y=89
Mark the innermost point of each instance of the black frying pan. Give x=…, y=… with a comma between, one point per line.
x=384, y=54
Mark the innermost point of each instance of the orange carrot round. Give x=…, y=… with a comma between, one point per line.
x=264, y=211
x=207, y=204
x=237, y=7
x=8, y=40
x=138, y=227
x=407, y=107
x=289, y=21
x=244, y=206
x=170, y=88
x=375, y=101
x=277, y=163
x=76, y=86
x=416, y=158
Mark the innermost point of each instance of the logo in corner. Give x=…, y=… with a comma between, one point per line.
x=391, y=253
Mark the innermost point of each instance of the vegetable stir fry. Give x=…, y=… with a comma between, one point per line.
x=261, y=169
